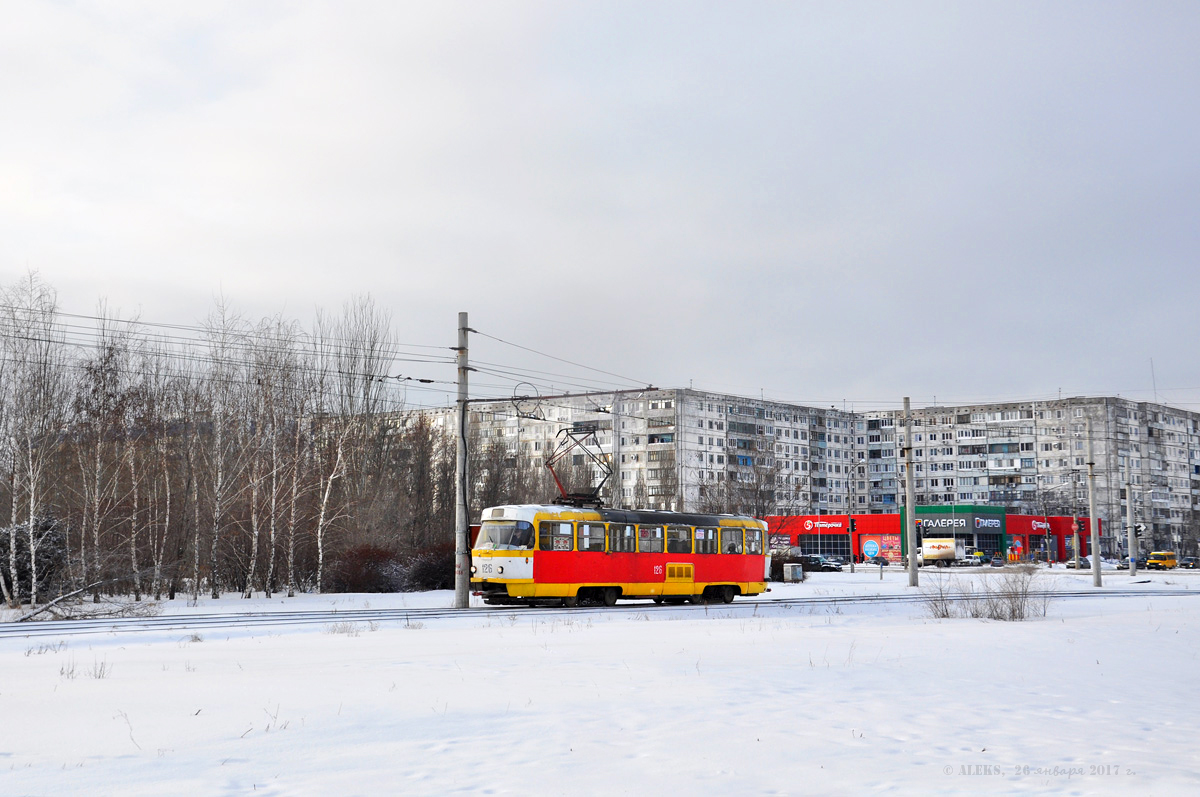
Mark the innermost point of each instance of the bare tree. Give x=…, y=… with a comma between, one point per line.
x=38, y=400
x=274, y=366
x=225, y=454
x=101, y=400
x=299, y=400
x=161, y=404
x=491, y=468
x=353, y=355
x=251, y=447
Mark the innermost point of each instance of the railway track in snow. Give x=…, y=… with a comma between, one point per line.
x=184, y=623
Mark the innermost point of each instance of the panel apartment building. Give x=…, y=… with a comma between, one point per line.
x=692, y=450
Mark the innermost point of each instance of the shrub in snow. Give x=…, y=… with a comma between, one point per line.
x=431, y=569
x=1012, y=597
x=367, y=568
x=372, y=568
x=51, y=547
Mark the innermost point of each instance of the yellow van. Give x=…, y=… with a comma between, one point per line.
x=1161, y=560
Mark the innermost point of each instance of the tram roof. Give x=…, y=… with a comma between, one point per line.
x=634, y=516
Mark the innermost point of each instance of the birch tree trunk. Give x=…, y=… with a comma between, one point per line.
x=195, y=479
x=15, y=598
x=297, y=453
x=135, y=485
x=248, y=592
x=269, y=583
x=218, y=509
x=166, y=519
x=323, y=514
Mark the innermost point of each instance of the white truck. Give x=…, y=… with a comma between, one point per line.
x=941, y=551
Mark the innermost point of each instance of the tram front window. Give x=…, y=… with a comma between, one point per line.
x=505, y=535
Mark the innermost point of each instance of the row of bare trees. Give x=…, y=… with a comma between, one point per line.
x=139, y=460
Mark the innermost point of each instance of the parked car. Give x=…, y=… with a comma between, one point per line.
x=1190, y=562
x=1084, y=563
x=997, y=560
x=1141, y=563
x=878, y=561
x=973, y=560
x=821, y=563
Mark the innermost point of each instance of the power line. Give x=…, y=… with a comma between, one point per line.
x=637, y=382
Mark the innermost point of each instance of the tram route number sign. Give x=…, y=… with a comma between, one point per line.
x=870, y=548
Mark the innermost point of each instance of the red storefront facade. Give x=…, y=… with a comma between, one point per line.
x=1027, y=535
x=1024, y=537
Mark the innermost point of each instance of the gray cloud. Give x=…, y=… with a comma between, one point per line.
x=826, y=202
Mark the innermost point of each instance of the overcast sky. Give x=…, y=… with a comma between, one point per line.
x=824, y=202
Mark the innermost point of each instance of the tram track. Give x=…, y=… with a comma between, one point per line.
x=183, y=623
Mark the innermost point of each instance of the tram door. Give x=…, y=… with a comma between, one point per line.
x=680, y=579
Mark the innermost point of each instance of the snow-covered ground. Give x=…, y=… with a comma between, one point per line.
x=1096, y=697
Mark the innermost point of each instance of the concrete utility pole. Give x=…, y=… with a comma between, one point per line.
x=1096, y=582
x=850, y=492
x=462, y=553
x=910, y=511
x=1130, y=529
x=618, y=488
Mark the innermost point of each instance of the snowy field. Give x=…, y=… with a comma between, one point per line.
x=1097, y=697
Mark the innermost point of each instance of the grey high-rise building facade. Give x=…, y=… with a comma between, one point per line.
x=692, y=450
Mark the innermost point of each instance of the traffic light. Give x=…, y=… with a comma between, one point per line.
x=1138, y=528
x=851, y=525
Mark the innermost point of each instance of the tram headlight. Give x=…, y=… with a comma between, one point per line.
x=500, y=569
x=472, y=569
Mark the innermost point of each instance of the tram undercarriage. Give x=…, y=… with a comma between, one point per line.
x=497, y=594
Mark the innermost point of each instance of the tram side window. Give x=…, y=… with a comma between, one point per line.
x=706, y=541
x=679, y=539
x=650, y=539
x=621, y=538
x=554, y=535
x=754, y=542
x=591, y=537
x=731, y=540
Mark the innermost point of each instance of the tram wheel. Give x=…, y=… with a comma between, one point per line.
x=610, y=596
x=571, y=602
x=727, y=593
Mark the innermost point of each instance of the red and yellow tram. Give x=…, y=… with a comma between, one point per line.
x=541, y=554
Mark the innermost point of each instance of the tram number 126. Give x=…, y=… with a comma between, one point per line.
x=658, y=570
